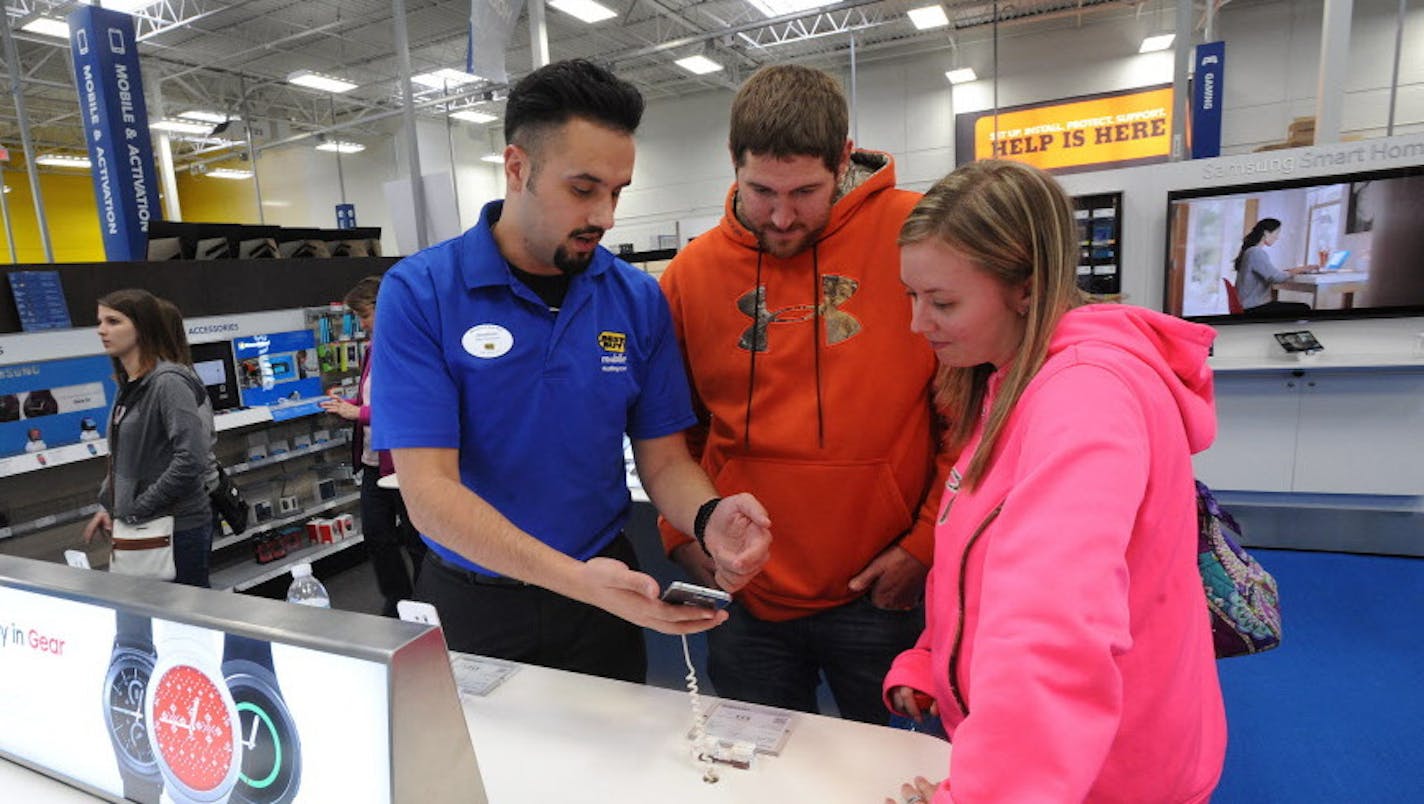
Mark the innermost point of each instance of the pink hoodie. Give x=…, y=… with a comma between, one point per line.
x=1067, y=641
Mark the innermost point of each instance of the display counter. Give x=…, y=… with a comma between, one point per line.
x=539, y=735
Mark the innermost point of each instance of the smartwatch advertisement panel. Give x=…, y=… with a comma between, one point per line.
x=55, y=404
x=279, y=370
x=159, y=710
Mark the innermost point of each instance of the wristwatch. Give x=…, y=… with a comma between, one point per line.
x=192, y=719
x=130, y=667
x=271, y=767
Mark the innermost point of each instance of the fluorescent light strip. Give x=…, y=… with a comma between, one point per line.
x=961, y=76
x=776, y=8
x=46, y=26
x=1153, y=44
x=128, y=6
x=62, y=160
x=204, y=116
x=443, y=77
x=495, y=159
x=472, y=116
x=928, y=17
x=698, y=65
x=313, y=80
x=586, y=10
x=341, y=147
x=229, y=173
x=181, y=126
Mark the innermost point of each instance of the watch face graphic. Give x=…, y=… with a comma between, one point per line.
x=123, y=711
x=193, y=726
x=271, y=751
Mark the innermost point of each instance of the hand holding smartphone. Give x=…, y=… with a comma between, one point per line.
x=688, y=594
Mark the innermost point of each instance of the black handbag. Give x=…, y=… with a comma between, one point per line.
x=228, y=502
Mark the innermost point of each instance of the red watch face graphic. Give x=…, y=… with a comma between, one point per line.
x=193, y=725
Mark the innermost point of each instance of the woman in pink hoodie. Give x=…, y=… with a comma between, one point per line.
x=1067, y=647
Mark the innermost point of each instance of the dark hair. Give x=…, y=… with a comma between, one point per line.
x=555, y=93
x=1253, y=238
x=362, y=296
x=174, y=348
x=787, y=110
x=150, y=326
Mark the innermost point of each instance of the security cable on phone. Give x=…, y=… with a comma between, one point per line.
x=699, y=719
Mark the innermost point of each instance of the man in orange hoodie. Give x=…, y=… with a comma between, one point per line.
x=811, y=390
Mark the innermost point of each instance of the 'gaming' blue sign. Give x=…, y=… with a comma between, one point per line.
x=1207, y=89
x=106, y=73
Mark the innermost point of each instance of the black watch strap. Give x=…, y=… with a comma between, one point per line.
x=699, y=523
x=133, y=631
x=257, y=651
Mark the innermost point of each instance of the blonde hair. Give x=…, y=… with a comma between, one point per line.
x=1016, y=223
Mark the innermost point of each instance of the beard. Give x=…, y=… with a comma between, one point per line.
x=570, y=264
x=782, y=248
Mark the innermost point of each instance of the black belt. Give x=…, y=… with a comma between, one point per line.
x=472, y=577
x=614, y=549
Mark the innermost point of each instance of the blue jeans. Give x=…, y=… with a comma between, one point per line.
x=192, y=552
x=780, y=663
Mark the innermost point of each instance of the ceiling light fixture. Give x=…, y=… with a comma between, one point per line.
x=495, y=159
x=698, y=65
x=585, y=10
x=443, y=77
x=128, y=6
x=47, y=26
x=472, y=116
x=1152, y=44
x=204, y=116
x=62, y=160
x=175, y=126
x=229, y=173
x=341, y=147
x=315, y=80
x=777, y=8
x=963, y=75
x=928, y=17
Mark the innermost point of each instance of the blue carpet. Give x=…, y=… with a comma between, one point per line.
x=1336, y=713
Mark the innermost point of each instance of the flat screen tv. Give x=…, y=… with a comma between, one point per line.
x=214, y=365
x=1347, y=246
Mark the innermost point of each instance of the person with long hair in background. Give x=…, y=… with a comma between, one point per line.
x=160, y=446
x=385, y=524
x=1256, y=275
x=1067, y=648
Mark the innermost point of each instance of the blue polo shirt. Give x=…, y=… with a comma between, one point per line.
x=536, y=402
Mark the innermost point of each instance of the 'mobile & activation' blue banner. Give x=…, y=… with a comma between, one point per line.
x=1207, y=88
x=111, y=104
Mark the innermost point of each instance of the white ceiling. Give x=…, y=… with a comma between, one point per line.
x=234, y=57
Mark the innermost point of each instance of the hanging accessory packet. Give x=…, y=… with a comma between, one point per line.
x=144, y=550
x=1243, y=598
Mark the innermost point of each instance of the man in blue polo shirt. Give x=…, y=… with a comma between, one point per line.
x=512, y=361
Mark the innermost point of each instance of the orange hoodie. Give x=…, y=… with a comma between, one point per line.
x=830, y=422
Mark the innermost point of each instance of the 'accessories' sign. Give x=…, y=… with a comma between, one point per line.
x=1113, y=129
x=111, y=103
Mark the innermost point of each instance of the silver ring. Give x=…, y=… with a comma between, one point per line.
x=914, y=798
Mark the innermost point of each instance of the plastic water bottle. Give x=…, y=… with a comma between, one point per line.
x=306, y=589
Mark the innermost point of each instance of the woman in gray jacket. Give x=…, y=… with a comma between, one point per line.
x=159, y=444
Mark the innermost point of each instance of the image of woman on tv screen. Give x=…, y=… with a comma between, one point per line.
x=1256, y=275
x=160, y=443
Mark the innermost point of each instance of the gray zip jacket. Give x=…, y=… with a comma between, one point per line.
x=161, y=450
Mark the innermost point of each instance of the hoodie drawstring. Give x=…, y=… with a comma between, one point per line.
x=758, y=304
x=816, y=340
x=759, y=295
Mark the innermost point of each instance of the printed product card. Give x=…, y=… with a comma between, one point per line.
x=766, y=727
x=477, y=675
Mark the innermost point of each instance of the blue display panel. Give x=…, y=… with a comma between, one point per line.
x=278, y=370
x=55, y=403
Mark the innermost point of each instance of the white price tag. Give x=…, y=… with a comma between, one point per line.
x=766, y=727
x=477, y=675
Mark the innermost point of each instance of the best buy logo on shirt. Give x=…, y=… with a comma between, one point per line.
x=615, y=342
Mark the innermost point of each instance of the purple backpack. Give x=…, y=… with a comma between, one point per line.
x=1242, y=597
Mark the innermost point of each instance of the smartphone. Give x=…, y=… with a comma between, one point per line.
x=688, y=594
x=416, y=612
